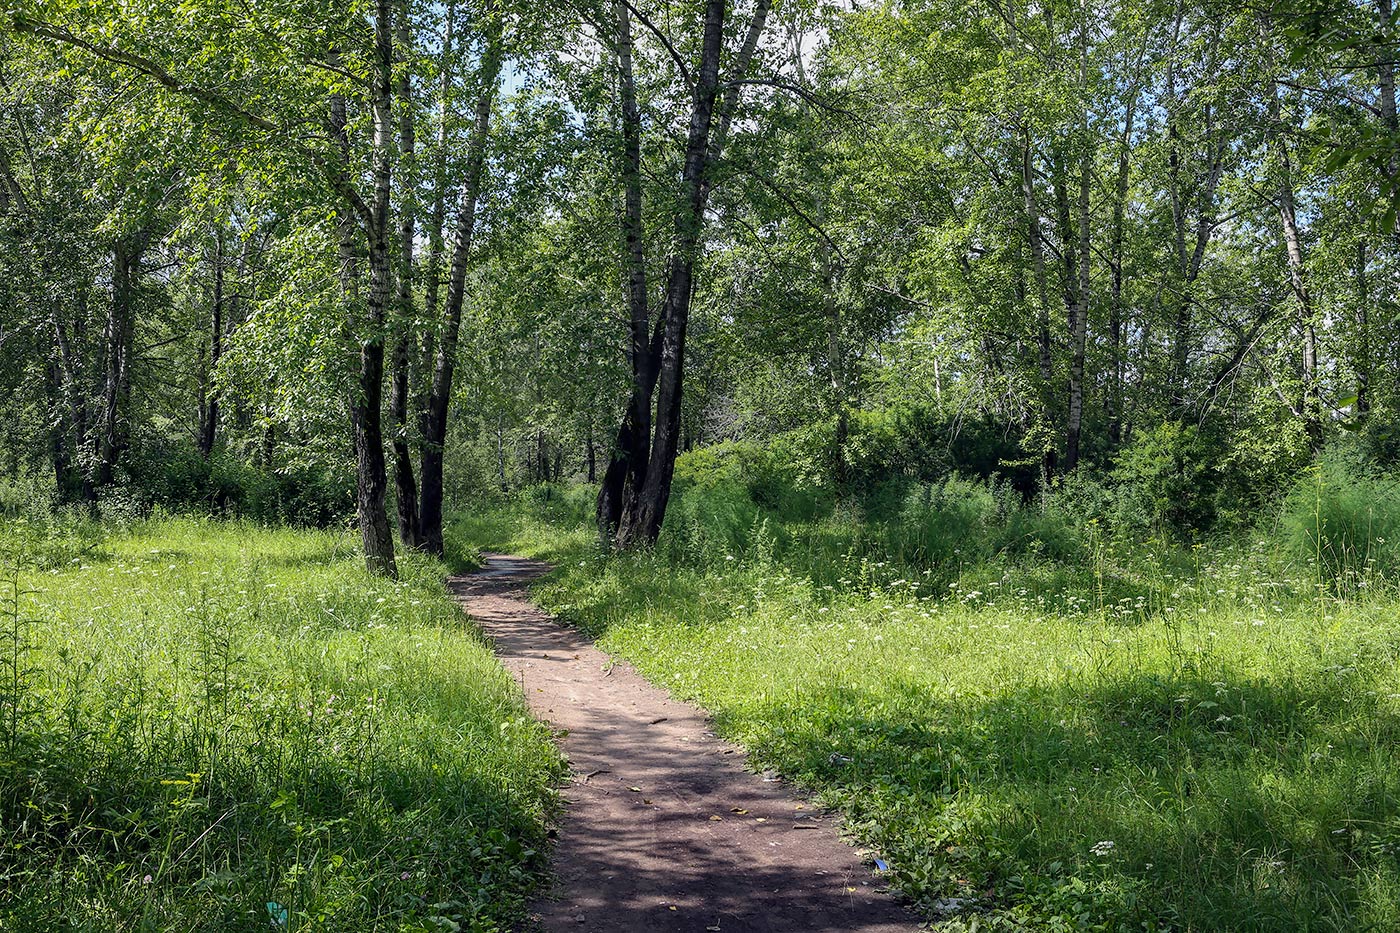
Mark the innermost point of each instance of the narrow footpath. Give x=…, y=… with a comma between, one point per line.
x=664, y=830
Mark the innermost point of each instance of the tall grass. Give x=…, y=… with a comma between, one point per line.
x=1041, y=721
x=214, y=726
x=1344, y=521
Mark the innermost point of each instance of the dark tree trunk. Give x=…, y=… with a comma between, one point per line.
x=209, y=403
x=367, y=406
x=627, y=467
x=591, y=454
x=113, y=434
x=440, y=395
x=366, y=400
x=631, y=512
x=642, y=522
x=405, y=486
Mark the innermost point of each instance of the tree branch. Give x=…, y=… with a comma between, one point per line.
x=147, y=67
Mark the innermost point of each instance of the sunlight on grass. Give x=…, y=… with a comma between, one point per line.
x=1199, y=741
x=218, y=723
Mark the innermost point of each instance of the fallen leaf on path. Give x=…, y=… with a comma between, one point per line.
x=635, y=790
x=737, y=810
x=716, y=819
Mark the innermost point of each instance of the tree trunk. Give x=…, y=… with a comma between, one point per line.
x=642, y=522
x=644, y=507
x=405, y=486
x=366, y=407
x=1115, y=312
x=1363, y=363
x=437, y=220
x=1036, y=242
x=1385, y=70
x=73, y=380
x=1079, y=315
x=627, y=466
x=591, y=454
x=1309, y=406
x=366, y=401
x=444, y=366
x=209, y=402
x=113, y=435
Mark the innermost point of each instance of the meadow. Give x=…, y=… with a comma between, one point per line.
x=212, y=725
x=1047, y=729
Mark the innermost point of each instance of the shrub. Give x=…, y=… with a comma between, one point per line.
x=1344, y=520
x=177, y=478
x=1166, y=480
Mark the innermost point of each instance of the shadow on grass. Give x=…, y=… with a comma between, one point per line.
x=1227, y=804
x=203, y=831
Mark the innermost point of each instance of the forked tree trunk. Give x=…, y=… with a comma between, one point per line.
x=642, y=522
x=627, y=467
x=643, y=504
x=405, y=486
x=444, y=366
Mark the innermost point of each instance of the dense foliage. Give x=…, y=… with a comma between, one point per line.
x=1037, y=719
x=941, y=357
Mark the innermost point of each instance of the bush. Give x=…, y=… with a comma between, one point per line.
x=963, y=520
x=707, y=523
x=774, y=479
x=1344, y=520
x=1166, y=481
x=924, y=444
x=177, y=478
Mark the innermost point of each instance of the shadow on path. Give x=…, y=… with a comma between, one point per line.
x=664, y=828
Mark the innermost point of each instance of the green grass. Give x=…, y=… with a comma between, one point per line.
x=1151, y=739
x=219, y=726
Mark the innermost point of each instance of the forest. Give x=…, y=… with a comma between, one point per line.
x=987, y=410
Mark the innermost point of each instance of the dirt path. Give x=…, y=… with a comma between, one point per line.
x=664, y=829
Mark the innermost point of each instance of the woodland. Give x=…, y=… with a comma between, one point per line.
x=988, y=409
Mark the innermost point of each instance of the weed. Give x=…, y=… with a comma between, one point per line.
x=217, y=717
x=1112, y=734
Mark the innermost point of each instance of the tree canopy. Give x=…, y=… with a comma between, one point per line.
x=253, y=251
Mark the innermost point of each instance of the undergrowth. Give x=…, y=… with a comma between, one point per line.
x=1039, y=721
x=213, y=726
